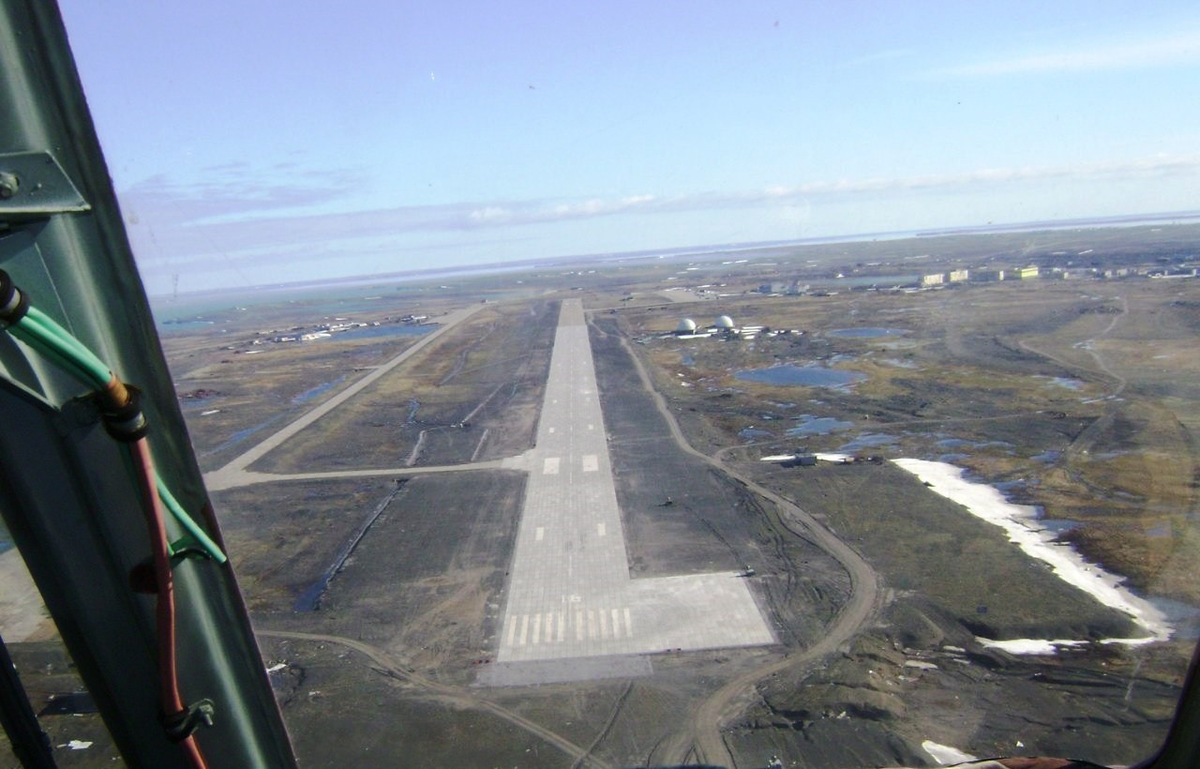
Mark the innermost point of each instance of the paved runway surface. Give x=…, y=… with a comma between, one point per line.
x=570, y=594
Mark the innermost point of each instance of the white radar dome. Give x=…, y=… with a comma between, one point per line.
x=686, y=325
x=724, y=322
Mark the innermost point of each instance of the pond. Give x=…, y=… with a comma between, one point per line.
x=866, y=333
x=810, y=425
x=373, y=332
x=808, y=376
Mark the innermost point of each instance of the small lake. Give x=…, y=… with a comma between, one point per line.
x=866, y=333
x=868, y=441
x=810, y=425
x=807, y=376
x=374, y=332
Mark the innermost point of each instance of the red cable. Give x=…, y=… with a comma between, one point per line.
x=164, y=607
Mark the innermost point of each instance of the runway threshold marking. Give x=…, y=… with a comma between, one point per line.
x=600, y=529
x=524, y=628
x=628, y=624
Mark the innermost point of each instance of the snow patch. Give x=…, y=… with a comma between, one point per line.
x=945, y=754
x=1018, y=522
x=1035, y=646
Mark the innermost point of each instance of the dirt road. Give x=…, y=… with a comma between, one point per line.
x=701, y=738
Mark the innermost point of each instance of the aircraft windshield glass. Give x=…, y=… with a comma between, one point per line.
x=660, y=384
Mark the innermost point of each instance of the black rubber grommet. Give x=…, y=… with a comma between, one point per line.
x=14, y=302
x=127, y=423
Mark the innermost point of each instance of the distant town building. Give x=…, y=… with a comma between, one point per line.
x=1027, y=273
x=933, y=279
x=958, y=276
x=987, y=276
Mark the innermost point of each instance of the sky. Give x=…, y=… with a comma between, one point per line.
x=256, y=142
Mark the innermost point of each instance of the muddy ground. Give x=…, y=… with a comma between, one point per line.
x=473, y=395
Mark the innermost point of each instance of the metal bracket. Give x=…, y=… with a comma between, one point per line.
x=34, y=186
x=179, y=726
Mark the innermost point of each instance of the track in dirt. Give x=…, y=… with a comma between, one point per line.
x=450, y=694
x=701, y=738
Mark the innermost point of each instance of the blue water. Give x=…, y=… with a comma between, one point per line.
x=374, y=332
x=954, y=443
x=961, y=444
x=868, y=441
x=1058, y=526
x=241, y=435
x=183, y=325
x=809, y=376
x=1184, y=616
x=810, y=425
x=866, y=332
x=320, y=389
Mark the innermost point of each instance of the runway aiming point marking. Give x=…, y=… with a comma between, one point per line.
x=541, y=532
x=600, y=529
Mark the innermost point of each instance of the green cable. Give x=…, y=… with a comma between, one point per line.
x=41, y=332
x=56, y=334
x=35, y=339
x=46, y=338
x=186, y=521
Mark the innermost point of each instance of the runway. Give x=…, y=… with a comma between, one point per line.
x=570, y=593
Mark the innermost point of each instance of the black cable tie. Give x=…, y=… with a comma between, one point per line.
x=14, y=302
x=179, y=726
x=126, y=423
